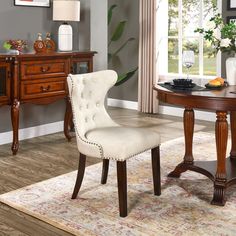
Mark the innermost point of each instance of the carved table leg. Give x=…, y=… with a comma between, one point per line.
x=221, y=130
x=67, y=119
x=15, y=125
x=188, y=134
x=233, y=134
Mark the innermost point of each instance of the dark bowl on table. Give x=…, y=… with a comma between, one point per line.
x=182, y=82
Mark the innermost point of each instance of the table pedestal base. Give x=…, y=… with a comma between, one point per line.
x=223, y=171
x=208, y=168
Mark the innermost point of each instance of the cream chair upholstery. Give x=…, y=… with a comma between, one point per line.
x=99, y=136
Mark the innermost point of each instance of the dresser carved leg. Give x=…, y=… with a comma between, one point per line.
x=15, y=125
x=188, y=134
x=233, y=134
x=67, y=119
x=221, y=130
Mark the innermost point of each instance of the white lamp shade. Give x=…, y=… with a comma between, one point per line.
x=68, y=10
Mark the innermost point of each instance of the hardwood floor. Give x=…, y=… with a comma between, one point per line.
x=45, y=157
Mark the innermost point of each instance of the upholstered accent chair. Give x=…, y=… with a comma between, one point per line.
x=99, y=136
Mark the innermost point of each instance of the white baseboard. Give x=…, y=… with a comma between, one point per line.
x=165, y=110
x=56, y=127
x=122, y=104
x=177, y=111
x=33, y=132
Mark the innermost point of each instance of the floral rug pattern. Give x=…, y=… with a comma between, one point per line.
x=183, y=208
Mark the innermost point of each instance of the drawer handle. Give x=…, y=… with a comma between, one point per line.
x=43, y=89
x=45, y=69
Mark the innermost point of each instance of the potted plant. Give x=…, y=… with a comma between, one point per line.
x=15, y=46
x=222, y=38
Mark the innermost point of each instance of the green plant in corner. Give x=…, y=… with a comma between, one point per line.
x=114, y=38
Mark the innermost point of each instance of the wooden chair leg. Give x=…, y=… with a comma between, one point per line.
x=156, y=172
x=122, y=187
x=105, y=167
x=80, y=175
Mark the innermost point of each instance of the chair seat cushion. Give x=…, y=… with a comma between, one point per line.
x=120, y=143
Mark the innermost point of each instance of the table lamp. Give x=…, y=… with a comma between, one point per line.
x=68, y=10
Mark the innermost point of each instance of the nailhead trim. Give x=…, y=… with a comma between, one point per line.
x=124, y=159
x=75, y=123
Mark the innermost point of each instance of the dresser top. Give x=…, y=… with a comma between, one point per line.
x=51, y=54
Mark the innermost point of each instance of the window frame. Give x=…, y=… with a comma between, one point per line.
x=180, y=37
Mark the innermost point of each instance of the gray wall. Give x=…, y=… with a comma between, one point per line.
x=24, y=23
x=225, y=13
x=99, y=34
x=128, y=58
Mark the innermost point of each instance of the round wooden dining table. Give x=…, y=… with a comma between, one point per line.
x=223, y=102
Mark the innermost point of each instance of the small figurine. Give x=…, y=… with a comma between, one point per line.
x=39, y=44
x=50, y=44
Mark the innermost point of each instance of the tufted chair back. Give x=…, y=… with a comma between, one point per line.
x=87, y=93
x=99, y=136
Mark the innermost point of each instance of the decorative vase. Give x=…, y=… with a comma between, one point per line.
x=13, y=52
x=231, y=70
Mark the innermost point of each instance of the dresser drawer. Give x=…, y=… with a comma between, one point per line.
x=41, y=88
x=44, y=69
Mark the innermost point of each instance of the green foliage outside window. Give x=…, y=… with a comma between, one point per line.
x=190, y=16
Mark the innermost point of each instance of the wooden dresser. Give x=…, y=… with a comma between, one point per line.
x=39, y=79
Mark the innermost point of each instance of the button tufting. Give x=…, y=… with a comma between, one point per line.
x=90, y=93
x=87, y=106
x=94, y=117
x=82, y=95
x=86, y=119
x=97, y=104
x=80, y=107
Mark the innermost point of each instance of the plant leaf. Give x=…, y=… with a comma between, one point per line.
x=123, y=78
x=110, y=12
x=110, y=55
x=7, y=45
x=123, y=45
x=118, y=31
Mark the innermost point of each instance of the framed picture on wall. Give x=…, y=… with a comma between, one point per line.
x=32, y=3
x=231, y=5
x=231, y=19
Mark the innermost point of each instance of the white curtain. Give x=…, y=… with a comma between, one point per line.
x=147, y=100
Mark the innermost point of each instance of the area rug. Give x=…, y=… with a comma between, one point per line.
x=182, y=209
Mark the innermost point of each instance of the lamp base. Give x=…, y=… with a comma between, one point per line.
x=65, y=38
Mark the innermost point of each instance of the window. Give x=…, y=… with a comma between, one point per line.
x=176, y=22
